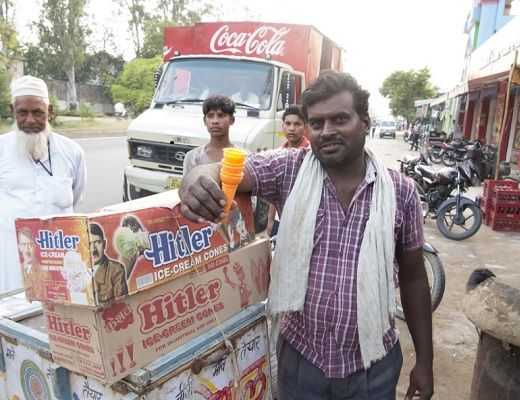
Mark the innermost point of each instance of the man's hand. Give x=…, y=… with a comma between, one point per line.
x=201, y=196
x=421, y=383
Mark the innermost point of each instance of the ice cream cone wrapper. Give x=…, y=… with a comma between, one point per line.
x=229, y=191
x=234, y=156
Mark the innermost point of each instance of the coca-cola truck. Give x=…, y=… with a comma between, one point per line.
x=263, y=67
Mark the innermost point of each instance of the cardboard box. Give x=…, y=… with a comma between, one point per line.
x=218, y=379
x=109, y=343
x=92, y=260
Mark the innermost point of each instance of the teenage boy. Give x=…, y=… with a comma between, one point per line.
x=219, y=115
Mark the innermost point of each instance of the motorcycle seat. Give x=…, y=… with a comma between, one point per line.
x=427, y=171
x=410, y=158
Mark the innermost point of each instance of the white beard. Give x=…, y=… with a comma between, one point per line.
x=33, y=145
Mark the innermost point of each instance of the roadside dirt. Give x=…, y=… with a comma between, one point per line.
x=455, y=337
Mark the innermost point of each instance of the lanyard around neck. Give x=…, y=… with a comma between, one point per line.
x=48, y=170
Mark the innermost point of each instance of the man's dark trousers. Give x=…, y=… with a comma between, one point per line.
x=298, y=379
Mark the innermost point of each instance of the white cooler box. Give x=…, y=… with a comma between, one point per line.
x=204, y=368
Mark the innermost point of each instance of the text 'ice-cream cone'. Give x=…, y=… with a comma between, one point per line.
x=231, y=173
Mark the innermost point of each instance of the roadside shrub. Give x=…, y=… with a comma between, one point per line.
x=86, y=111
x=5, y=98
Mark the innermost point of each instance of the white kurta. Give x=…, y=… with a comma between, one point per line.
x=27, y=190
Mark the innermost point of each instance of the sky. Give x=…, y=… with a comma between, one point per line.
x=378, y=36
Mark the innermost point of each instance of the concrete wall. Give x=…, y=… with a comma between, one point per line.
x=92, y=94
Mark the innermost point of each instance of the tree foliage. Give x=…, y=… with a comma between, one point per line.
x=147, y=27
x=138, y=16
x=9, y=46
x=6, y=11
x=153, y=37
x=135, y=85
x=403, y=88
x=100, y=68
x=184, y=12
x=4, y=93
x=62, y=38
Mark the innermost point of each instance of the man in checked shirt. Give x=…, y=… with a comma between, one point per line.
x=322, y=348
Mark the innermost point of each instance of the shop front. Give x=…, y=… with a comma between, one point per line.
x=491, y=104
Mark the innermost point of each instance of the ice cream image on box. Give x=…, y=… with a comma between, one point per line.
x=76, y=275
x=130, y=240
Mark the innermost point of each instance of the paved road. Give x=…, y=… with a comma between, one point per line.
x=106, y=158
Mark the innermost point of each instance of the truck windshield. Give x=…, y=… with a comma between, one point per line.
x=248, y=83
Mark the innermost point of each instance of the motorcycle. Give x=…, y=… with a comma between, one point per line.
x=435, y=152
x=457, y=217
x=410, y=161
x=453, y=152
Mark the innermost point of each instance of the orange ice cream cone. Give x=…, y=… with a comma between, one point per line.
x=231, y=173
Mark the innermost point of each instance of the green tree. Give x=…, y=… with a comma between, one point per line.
x=403, y=88
x=100, y=68
x=153, y=37
x=9, y=46
x=170, y=13
x=9, y=49
x=138, y=16
x=6, y=11
x=4, y=93
x=43, y=65
x=184, y=12
x=134, y=87
x=62, y=37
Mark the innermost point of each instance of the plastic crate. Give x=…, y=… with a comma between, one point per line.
x=498, y=223
x=490, y=186
x=506, y=198
x=506, y=212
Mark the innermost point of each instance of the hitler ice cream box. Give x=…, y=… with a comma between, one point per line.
x=109, y=343
x=94, y=259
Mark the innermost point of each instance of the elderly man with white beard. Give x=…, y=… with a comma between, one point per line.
x=41, y=172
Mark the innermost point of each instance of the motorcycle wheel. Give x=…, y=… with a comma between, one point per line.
x=436, y=280
x=448, y=159
x=436, y=157
x=467, y=227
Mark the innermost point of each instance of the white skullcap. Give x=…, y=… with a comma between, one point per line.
x=29, y=86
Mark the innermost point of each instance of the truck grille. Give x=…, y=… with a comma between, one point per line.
x=162, y=153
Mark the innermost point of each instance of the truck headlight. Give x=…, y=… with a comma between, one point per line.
x=144, y=151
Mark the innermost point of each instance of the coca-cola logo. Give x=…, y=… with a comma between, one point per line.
x=264, y=41
x=118, y=317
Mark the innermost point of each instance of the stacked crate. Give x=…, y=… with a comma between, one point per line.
x=500, y=205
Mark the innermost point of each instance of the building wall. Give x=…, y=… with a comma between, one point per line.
x=492, y=19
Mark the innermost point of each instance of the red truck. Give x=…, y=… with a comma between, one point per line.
x=263, y=67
